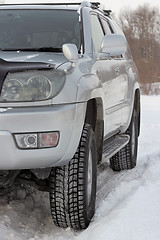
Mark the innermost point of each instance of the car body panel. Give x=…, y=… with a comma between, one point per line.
x=91, y=76
x=68, y=120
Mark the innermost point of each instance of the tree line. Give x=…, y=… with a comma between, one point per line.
x=142, y=30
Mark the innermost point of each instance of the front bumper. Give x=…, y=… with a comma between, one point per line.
x=67, y=119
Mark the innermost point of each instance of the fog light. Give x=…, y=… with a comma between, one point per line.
x=49, y=139
x=26, y=140
x=37, y=140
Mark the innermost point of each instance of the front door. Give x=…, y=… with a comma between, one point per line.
x=111, y=73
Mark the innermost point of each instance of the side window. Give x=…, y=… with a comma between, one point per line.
x=117, y=28
x=97, y=32
x=107, y=27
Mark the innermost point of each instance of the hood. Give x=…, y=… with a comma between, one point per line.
x=56, y=59
x=15, y=61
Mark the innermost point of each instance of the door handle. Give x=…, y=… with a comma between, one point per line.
x=116, y=69
x=127, y=68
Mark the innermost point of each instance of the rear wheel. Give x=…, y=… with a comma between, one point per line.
x=126, y=158
x=73, y=187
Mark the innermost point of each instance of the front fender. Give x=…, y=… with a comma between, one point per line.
x=89, y=87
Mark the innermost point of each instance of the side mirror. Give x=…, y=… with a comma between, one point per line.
x=70, y=51
x=114, y=44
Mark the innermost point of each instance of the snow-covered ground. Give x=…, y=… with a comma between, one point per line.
x=128, y=202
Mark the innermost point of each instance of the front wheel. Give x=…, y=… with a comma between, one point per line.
x=126, y=158
x=73, y=187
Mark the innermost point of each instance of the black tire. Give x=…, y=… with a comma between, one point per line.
x=73, y=187
x=58, y=194
x=126, y=158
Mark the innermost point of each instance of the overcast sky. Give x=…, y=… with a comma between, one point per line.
x=117, y=5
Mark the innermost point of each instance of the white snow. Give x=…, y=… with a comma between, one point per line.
x=128, y=202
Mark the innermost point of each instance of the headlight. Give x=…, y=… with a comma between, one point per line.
x=32, y=85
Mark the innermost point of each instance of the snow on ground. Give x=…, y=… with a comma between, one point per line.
x=128, y=202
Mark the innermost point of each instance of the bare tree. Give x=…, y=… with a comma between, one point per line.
x=142, y=28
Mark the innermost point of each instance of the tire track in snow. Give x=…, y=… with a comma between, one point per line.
x=114, y=187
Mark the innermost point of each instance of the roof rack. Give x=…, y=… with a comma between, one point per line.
x=95, y=4
x=107, y=12
x=83, y=3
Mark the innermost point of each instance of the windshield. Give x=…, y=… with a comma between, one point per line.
x=46, y=30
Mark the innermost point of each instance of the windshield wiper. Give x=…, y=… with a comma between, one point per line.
x=42, y=49
x=49, y=49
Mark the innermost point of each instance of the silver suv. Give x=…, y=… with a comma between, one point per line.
x=68, y=93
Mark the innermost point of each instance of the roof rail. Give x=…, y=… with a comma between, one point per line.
x=83, y=3
x=31, y=3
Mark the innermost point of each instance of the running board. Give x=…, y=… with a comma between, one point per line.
x=111, y=147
